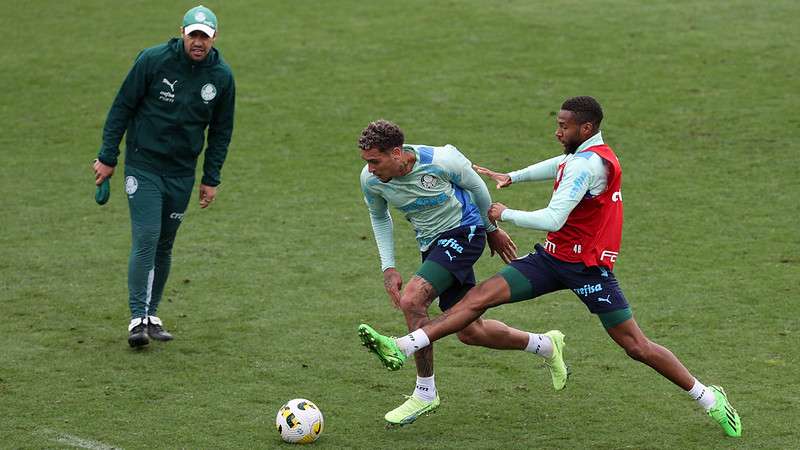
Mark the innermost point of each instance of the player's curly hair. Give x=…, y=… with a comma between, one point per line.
x=381, y=134
x=586, y=109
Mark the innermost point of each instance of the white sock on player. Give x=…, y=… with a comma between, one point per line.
x=540, y=344
x=704, y=396
x=425, y=389
x=412, y=342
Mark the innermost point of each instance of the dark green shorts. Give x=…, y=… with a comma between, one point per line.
x=447, y=264
x=540, y=273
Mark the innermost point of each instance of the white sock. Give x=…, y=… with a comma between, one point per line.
x=540, y=344
x=704, y=396
x=135, y=322
x=412, y=342
x=425, y=389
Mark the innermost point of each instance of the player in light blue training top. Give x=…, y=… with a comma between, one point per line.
x=446, y=203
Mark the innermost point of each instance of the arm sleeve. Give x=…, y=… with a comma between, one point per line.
x=123, y=110
x=543, y=170
x=220, y=130
x=573, y=186
x=382, y=227
x=462, y=174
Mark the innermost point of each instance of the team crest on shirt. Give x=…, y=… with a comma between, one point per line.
x=131, y=185
x=429, y=181
x=208, y=92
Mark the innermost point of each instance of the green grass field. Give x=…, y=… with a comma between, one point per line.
x=269, y=284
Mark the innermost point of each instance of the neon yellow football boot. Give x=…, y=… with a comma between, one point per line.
x=411, y=410
x=555, y=364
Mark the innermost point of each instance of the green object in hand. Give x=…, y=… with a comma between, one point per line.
x=102, y=192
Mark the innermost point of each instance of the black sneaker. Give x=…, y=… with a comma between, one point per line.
x=137, y=333
x=155, y=329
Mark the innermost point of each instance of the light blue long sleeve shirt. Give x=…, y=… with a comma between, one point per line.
x=584, y=174
x=442, y=192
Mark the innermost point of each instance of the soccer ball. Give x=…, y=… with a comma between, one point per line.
x=299, y=421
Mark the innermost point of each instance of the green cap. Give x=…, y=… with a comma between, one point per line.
x=200, y=18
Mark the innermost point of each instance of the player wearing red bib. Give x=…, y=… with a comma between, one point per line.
x=593, y=231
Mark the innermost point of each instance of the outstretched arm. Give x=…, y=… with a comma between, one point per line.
x=502, y=179
x=573, y=187
x=543, y=170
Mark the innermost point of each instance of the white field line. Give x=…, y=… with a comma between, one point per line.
x=75, y=441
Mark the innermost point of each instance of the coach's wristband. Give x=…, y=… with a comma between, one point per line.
x=102, y=192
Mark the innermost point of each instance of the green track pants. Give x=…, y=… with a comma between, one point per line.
x=157, y=205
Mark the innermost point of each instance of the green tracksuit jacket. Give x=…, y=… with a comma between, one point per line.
x=165, y=104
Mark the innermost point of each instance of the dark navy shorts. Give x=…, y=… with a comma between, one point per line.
x=447, y=264
x=540, y=273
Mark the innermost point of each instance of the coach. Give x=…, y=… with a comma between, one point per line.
x=173, y=93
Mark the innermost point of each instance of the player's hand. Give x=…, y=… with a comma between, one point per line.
x=207, y=195
x=101, y=172
x=496, y=211
x=500, y=242
x=502, y=179
x=393, y=282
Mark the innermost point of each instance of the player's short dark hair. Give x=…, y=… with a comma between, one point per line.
x=381, y=134
x=586, y=109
